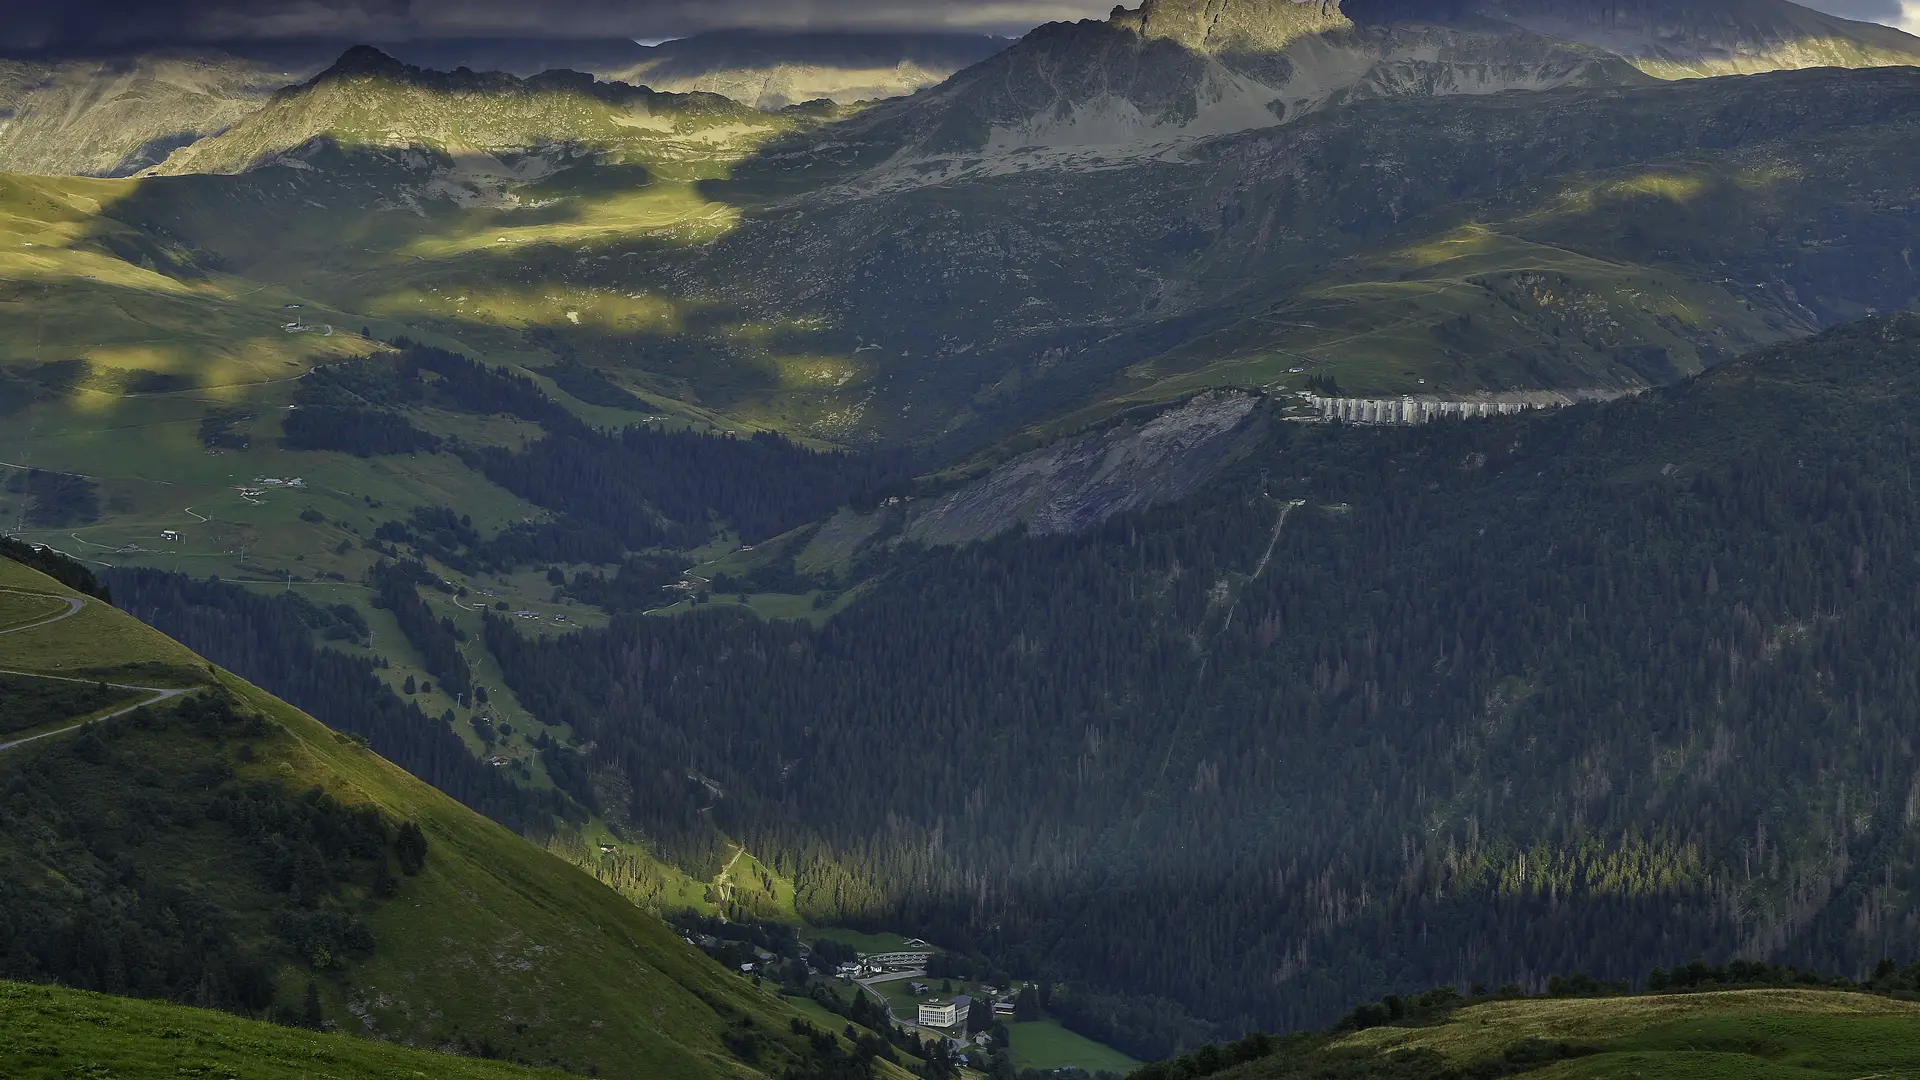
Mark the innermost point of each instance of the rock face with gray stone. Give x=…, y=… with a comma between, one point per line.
x=116, y=115
x=771, y=70
x=1080, y=482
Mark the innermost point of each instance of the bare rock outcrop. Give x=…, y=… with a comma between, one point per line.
x=1076, y=484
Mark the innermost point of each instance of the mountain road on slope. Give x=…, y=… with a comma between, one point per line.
x=75, y=605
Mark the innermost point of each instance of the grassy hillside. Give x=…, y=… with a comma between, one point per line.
x=490, y=945
x=1045, y=1045
x=52, y=1032
x=1811, y=1034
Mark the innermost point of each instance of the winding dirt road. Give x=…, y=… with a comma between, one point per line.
x=75, y=605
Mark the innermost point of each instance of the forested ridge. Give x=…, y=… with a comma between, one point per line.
x=268, y=640
x=1586, y=691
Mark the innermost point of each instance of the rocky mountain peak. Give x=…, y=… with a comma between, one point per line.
x=1212, y=26
x=365, y=60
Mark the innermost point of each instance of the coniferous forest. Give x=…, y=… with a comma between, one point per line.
x=1486, y=701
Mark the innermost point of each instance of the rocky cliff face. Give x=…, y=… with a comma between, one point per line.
x=1172, y=71
x=120, y=114
x=1150, y=79
x=116, y=116
x=773, y=70
x=492, y=129
x=1223, y=26
x=1075, y=484
x=1713, y=37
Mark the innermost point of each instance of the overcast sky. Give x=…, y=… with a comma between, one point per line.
x=65, y=23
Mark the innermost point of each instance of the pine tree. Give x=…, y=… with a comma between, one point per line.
x=310, y=1013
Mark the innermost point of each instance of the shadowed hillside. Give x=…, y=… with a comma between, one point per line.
x=223, y=849
x=1482, y=701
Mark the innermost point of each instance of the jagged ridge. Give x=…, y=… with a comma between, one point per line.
x=370, y=101
x=1170, y=71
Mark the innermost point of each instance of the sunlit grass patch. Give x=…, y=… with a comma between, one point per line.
x=674, y=213
x=521, y=306
x=1466, y=241
x=98, y=636
x=1677, y=187
x=1484, y=1030
x=51, y=1027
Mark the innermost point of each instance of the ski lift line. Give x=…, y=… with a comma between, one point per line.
x=1286, y=510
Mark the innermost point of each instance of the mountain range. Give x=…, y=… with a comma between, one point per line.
x=1237, y=65
x=1173, y=70
x=118, y=113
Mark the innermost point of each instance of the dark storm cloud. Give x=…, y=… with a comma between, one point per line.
x=67, y=23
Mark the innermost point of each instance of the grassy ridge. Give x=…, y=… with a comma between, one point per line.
x=493, y=943
x=41, y=1039
x=1810, y=1033
x=97, y=641
x=1807, y=1034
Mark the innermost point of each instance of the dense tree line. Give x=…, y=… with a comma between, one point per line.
x=361, y=432
x=357, y=407
x=779, y=575
x=437, y=640
x=466, y=385
x=647, y=486
x=62, y=568
x=268, y=640
x=28, y=703
x=437, y=532
x=1378, y=708
x=652, y=487
x=590, y=386
x=639, y=584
